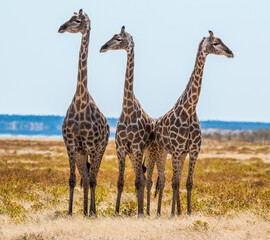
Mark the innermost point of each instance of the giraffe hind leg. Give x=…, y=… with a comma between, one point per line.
x=150, y=167
x=120, y=183
x=88, y=168
x=72, y=178
x=81, y=162
x=94, y=166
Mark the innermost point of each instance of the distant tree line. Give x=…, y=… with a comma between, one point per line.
x=246, y=135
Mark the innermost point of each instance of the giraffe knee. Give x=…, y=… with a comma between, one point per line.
x=72, y=181
x=120, y=184
x=85, y=181
x=175, y=184
x=189, y=185
x=138, y=184
x=161, y=178
x=162, y=182
x=93, y=182
x=149, y=184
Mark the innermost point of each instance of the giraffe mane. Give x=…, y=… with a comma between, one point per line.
x=200, y=46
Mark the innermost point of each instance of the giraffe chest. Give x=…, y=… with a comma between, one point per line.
x=176, y=135
x=172, y=134
x=133, y=134
x=85, y=128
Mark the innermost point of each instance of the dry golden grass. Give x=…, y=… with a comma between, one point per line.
x=231, y=195
x=239, y=227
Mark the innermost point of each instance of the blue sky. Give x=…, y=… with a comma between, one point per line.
x=39, y=66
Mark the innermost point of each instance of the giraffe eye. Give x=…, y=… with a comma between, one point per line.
x=118, y=39
x=215, y=44
x=78, y=21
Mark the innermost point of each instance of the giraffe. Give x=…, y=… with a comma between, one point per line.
x=178, y=132
x=85, y=129
x=135, y=129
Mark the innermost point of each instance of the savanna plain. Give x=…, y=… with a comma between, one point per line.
x=230, y=196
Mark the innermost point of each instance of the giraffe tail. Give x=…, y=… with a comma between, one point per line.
x=143, y=166
x=157, y=187
x=88, y=169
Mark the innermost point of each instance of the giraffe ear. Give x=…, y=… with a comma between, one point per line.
x=75, y=13
x=123, y=29
x=211, y=34
x=81, y=11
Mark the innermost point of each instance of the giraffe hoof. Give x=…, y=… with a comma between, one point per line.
x=116, y=214
x=92, y=215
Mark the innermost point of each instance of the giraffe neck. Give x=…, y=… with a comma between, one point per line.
x=82, y=71
x=190, y=96
x=128, y=90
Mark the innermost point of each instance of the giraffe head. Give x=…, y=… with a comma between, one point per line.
x=122, y=40
x=213, y=45
x=79, y=22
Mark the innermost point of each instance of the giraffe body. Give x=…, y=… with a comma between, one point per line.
x=85, y=129
x=178, y=132
x=135, y=129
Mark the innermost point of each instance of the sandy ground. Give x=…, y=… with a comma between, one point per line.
x=238, y=227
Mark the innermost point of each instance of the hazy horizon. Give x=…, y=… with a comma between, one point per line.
x=109, y=117
x=39, y=66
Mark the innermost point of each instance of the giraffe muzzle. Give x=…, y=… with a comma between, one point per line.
x=230, y=54
x=62, y=28
x=104, y=48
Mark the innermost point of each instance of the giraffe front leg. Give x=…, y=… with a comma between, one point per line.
x=161, y=161
x=120, y=182
x=139, y=182
x=93, y=184
x=150, y=168
x=178, y=202
x=175, y=182
x=182, y=161
x=193, y=155
x=72, y=178
x=93, y=179
x=81, y=162
x=161, y=183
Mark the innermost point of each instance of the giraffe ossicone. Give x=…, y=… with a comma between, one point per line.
x=85, y=129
